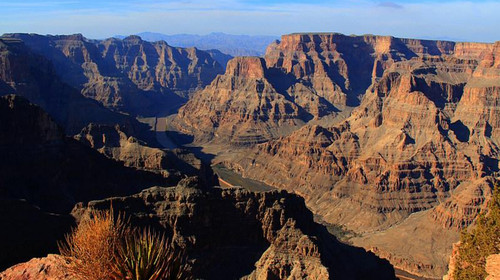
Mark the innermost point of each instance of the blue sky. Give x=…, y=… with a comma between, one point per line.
x=453, y=20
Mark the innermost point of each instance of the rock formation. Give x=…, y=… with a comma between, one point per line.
x=114, y=142
x=220, y=57
x=234, y=233
x=241, y=106
x=44, y=174
x=418, y=154
x=493, y=267
x=394, y=139
x=227, y=233
x=52, y=267
x=32, y=76
x=128, y=75
x=231, y=234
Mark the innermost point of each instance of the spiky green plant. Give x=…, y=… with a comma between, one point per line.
x=148, y=255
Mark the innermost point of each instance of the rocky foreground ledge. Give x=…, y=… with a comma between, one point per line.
x=234, y=233
x=231, y=234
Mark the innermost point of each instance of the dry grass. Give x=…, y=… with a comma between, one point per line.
x=106, y=248
x=92, y=245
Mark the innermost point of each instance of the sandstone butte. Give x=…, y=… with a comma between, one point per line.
x=395, y=139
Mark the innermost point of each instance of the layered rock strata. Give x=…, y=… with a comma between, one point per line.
x=44, y=173
x=115, y=143
x=32, y=76
x=241, y=107
x=423, y=139
x=129, y=75
x=234, y=233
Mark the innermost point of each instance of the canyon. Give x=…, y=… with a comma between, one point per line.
x=393, y=140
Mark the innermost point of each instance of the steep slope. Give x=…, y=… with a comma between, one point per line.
x=128, y=75
x=340, y=68
x=24, y=73
x=322, y=74
x=241, y=106
x=477, y=253
x=414, y=161
x=51, y=171
x=220, y=57
x=44, y=174
x=233, y=233
x=115, y=143
x=248, y=104
x=227, y=233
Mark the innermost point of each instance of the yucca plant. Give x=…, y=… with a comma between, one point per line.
x=148, y=255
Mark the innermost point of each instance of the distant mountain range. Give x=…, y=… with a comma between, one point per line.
x=234, y=45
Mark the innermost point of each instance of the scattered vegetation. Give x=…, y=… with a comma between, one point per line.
x=147, y=255
x=103, y=247
x=92, y=245
x=483, y=241
x=341, y=232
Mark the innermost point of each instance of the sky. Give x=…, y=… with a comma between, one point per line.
x=456, y=20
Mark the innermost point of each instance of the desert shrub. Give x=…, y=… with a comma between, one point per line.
x=92, y=245
x=477, y=245
x=103, y=247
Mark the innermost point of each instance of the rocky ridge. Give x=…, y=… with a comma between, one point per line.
x=114, y=142
x=241, y=106
x=129, y=75
x=230, y=234
x=27, y=74
x=44, y=174
x=234, y=233
x=423, y=139
x=227, y=233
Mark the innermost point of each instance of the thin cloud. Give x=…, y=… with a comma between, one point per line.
x=457, y=19
x=391, y=5
x=48, y=4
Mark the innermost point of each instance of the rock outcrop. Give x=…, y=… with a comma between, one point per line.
x=44, y=174
x=234, y=233
x=227, y=233
x=51, y=171
x=174, y=164
x=231, y=234
x=128, y=75
x=52, y=267
x=493, y=267
x=241, y=106
x=422, y=138
x=32, y=76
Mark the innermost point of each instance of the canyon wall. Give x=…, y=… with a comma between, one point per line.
x=407, y=138
x=129, y=75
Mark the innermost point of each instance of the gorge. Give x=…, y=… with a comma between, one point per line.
x=394, y=140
